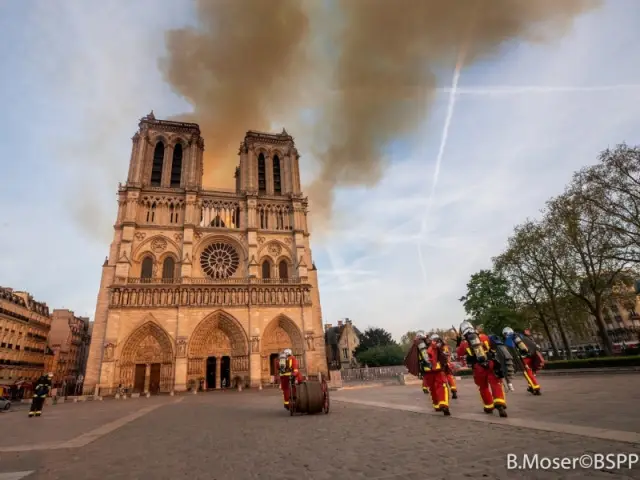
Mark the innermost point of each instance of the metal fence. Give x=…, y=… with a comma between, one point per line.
x=372, y=374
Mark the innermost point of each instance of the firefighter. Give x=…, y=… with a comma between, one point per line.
x=43, y=386
x=451, y=381
x=288, y=366
x=528, y=352
x=426, y=358
x=482, y=360
x=435, y=372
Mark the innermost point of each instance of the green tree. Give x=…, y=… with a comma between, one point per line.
x=382, y=356
x=489, y=302
x=374, y=337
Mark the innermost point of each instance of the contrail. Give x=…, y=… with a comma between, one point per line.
x=518, y=90
x=443, y=143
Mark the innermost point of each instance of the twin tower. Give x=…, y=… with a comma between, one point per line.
x=203, y=288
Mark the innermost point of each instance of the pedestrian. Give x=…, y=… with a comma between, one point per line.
x=43, y=387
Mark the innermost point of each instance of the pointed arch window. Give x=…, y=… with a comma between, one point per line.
x=147, y=269
x=277, y=182
x=176, y=166
x=168, y=268
x=156, y=169
x=283, y=270
x=266, y=269
x=262, y=174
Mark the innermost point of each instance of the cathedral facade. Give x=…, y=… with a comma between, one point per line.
x=205, y=287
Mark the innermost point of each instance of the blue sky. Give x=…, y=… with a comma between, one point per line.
x=77, y=75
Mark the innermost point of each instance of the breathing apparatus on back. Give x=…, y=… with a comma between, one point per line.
x=282, y=363
x=508, y=332
x=422, y=352
x=475, y=344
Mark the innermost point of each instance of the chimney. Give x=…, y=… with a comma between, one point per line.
x=327, y=326
x=339, y=323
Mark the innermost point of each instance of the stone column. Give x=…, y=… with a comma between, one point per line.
x=268, y=168
x=147, y=377
x=218, y=370
x=166, y=166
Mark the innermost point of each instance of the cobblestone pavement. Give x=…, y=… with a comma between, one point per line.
x=607, y=402
x=248, y=435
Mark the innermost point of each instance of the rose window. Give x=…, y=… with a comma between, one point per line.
x=219, y=260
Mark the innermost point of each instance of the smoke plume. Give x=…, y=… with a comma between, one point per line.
x=247, y=59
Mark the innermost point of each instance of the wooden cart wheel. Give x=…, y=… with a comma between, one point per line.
x=325, y=391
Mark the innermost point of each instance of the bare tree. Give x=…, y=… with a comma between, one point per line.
x=534, y=279
x=613, y=188
x=582, y=249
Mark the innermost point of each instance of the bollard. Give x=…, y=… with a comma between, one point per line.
x=260, y=386
x=239, y=387
x=172, y=393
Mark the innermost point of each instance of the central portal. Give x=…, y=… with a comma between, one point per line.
x=211, y=372
x=218, y=352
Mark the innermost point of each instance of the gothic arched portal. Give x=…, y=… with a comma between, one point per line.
x=218, y=336
x=281, y=333
x=146, y=361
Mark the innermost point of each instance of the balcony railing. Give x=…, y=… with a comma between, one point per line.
x=207, y=281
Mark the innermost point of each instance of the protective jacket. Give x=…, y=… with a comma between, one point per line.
x=43, y=386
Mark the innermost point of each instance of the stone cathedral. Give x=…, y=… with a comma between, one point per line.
x=205, y=287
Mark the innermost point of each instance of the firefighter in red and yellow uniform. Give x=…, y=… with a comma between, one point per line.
x=434, y=367
x=450, y=378
x=482, y=360
x=288, y=366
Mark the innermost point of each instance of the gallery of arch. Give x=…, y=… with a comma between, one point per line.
x=205, y=287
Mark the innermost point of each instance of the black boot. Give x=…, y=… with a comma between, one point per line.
x=502, y=410
x=446, y=411
x=488, y=411
x=454, y=394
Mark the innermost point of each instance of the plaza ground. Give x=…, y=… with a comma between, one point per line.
x=373, y=433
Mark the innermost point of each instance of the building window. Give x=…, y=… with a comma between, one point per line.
x=168, y=268
x=219, y=260
x=283, y=269
x=345, y=353
x=176, y=166
x=266, y=269
x=277, y=183
x=156, y=170
x=147, y=268
x=262, y=175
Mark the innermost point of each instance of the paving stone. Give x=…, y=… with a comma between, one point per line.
x=249, y=436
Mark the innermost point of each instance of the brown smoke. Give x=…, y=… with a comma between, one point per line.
x=237, y=68
x=248, y=56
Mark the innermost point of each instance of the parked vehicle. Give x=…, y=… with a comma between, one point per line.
x=5, y=403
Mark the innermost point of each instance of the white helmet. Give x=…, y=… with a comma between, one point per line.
x=466, y=327
x=50, y=374
x=435, y=337
x=287, y=352
x=507, y=331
